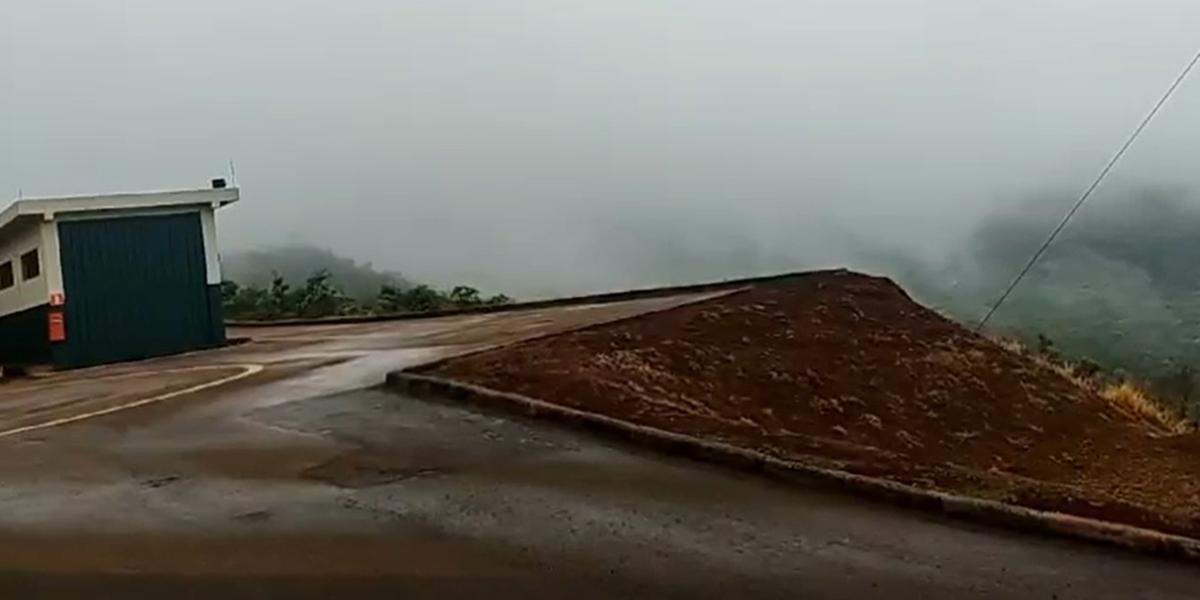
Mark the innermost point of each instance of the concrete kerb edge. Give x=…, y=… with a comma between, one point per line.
x=989, y=512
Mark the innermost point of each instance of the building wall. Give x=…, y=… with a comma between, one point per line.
x=212, y=260
x=24, y=336
x=25, y=294
x=208, y=225
x=51, y=258
x=35, y=223
x=136, y=286
x=212, y=266
x=24, y=308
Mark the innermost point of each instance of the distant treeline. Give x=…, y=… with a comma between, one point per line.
x=296, y=262
x=319, y=296
x=307, y=282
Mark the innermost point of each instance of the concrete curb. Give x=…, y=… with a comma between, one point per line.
x=974, y=509
x=601, y=298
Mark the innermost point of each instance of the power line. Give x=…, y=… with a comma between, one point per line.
x=1087, y=193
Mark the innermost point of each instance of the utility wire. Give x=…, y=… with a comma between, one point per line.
x=1087, y=193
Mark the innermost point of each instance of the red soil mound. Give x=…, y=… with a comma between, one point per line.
x=846, y=370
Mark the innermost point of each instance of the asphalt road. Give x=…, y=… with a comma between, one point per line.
x=295, y=481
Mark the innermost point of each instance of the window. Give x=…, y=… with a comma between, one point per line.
x=6, y=276
x=30, y=265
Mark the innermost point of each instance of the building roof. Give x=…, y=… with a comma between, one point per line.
x=44, y=207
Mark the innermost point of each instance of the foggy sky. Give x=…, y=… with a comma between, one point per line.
x=541, y=146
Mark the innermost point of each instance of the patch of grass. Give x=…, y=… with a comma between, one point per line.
x=1070, y=371
x=1124, y=394
x=1011, y=345
x=1127, y=396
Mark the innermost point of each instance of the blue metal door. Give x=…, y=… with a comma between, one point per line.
x=135, y=288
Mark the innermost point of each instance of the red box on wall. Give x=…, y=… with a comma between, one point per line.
x=58, y=327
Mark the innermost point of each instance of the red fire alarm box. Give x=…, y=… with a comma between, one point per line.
x=58, y=327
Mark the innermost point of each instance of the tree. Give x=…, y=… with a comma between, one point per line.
x=279, y=301
x=463, y=295
x=229, y=291
x=319, y=297
x=497, y=300
x=243, y=302
x=422, y=298
x=389, y=300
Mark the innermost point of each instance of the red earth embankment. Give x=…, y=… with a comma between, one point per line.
x=846, y=371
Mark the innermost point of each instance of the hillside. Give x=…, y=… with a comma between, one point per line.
x=296, y=262
x=1118, y=287
x=846, y=370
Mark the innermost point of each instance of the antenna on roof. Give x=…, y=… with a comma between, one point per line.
x=20, y=194
x=232, y=174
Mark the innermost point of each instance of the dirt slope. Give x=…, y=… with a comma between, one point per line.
x=846, y=370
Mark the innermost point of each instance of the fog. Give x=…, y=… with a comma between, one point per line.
x=548, y=146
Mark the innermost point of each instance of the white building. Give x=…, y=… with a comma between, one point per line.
x=93, y=279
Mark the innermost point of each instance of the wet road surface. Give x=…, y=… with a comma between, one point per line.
x=299, y=482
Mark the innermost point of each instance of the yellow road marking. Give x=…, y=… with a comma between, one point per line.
x=247, y=370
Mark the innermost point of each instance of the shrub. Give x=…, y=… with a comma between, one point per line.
x=320, y=296
x=1132, y=399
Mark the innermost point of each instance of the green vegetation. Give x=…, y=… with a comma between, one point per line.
x=296, y=262
x=1119, y=291
x=322, y=293
x=1164, y=408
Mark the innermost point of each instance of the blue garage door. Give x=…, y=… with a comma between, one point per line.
x=135, y=288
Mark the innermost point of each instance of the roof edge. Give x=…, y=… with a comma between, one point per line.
x=118, y=201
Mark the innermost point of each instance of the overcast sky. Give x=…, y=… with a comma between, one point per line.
x=538, y=146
